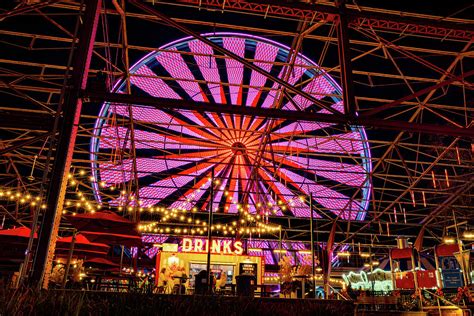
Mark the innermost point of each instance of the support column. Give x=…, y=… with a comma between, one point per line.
x=345, y=61
x=71, y=111
x=209, y=235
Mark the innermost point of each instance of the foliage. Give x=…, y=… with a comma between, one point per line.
x=25, y=301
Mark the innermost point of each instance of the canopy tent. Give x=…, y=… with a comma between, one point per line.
x=19, y=235
x=81, y=243
x=114, y=239
x=105, y=222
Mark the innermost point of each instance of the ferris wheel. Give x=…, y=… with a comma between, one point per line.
x=257, y=163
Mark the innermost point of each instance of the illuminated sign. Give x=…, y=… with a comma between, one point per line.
x=378, y=280
x=170, y=247
x=217, y=246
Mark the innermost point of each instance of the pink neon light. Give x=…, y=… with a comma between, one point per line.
x=208, y=67
x=196, y=141
x=347, y=143
x=117, y=173
x=235, y=70
x=177, y=68
x=158, y=117
x=266, y=53
x=353, y=175
x=152, y=85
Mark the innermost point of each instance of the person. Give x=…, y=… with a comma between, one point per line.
x=162, y=280
x=178, y=278
x=222, y=280
x=213, y=281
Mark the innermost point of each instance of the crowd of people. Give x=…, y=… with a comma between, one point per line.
x=174, y=280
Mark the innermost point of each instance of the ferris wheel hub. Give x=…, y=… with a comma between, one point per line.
x=238, y=148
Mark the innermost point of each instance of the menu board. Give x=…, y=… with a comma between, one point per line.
x=248, y=268
x=452, y=278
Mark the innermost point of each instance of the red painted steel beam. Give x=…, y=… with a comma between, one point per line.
x=71, y=110
x=173, y=104
x=321, y=12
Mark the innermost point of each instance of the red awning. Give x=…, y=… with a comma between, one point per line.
x=104, y=222
x=15, y=236
x=446, y=250
x=404, y=253
x=102, y=262
x=114, y=239
x=81, y=243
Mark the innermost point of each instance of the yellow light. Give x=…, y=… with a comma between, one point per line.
x=255, y=249
x=449, y=240
x=82, y=172
x=468, y=234
x=343, y=254
x=279, y=250
x=375, y=263
x=304, y=252
x=364, y=255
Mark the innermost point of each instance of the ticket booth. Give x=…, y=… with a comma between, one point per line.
x=448, y=267
x=405, y=275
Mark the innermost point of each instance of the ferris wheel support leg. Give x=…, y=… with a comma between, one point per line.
x=345, y=61
x=70, y=110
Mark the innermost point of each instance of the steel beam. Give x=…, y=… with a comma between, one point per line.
x=161, y=103
x=232, y=55
x=418, y=93
x=448, y=202
x=25, y=9
x=387, y=20
x=345, y=62
x=23, y=143
x=71, y=109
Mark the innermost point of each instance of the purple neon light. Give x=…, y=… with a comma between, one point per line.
x=198, y=142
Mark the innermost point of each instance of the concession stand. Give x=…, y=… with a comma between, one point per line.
x=228, y=257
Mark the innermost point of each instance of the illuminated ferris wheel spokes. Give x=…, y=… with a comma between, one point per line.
x=178, y=150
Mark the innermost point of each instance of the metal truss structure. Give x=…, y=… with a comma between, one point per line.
x=406, y=79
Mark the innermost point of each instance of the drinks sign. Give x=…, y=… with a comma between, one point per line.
x=217, y=246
